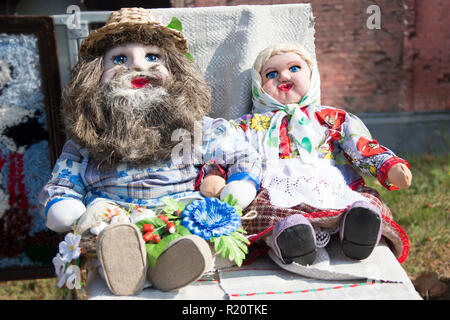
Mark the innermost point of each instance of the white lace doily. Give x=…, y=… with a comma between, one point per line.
x=292, y=182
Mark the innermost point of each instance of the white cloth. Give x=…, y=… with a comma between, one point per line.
x=225, y=41
x=290, y=182
x=265, y=280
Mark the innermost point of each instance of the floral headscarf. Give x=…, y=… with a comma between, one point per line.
x=300, y=126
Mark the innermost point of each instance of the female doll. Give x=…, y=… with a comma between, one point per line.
x=310, y=187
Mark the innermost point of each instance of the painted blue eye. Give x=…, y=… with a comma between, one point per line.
x=271, y=75
x=294, y=69
x=120, y=59
x=152, y=57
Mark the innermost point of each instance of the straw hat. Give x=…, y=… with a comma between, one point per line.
x=131, y=19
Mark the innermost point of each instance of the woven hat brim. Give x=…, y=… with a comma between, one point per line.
x=89, y=44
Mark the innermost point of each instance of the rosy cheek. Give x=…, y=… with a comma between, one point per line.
x=108, y=75
x=164, y=72
x=268, y=87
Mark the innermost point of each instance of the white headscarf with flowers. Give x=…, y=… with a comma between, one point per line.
x=300, y=127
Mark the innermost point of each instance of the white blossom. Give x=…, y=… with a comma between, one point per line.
x=69, y=248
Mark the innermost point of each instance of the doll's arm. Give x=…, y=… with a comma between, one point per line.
x=243, y=189
x=215, y=185
x=399, y=175
x=63, y=213
x=212, y=184
x=241, y=163
x=61, y=199
x=371, y=158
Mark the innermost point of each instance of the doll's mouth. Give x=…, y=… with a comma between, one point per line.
x=285, y=87
x=140, y=82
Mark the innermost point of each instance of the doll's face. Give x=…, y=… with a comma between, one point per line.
x=286, y=77
x=134, y=57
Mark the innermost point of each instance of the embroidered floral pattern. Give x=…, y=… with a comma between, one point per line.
x=369, y=147
x=260, y=123
x=332, y=118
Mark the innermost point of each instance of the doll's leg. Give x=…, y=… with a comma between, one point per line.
x=101, y=211
x=360, y=230
x=293, y=239
x=184, y=261
x=122, y=254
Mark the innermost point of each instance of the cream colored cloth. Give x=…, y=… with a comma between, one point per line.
x=225, y=41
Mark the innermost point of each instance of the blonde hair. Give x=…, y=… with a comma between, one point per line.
x=279, y=48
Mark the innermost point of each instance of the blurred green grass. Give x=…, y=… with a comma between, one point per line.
x=421, y=210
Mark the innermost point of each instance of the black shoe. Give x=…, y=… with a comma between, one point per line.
x=295, y=240
x=360, y=230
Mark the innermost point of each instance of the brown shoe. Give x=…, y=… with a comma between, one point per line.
x=121, y=251
x=184, y=261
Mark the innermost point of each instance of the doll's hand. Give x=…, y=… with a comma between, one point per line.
x=63, y=214
x=212, y=185
x=242, y=190
x=400, y=176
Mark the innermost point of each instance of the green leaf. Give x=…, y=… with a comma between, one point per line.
x=181, y=230
x=239, y=259
x=175, y=24
x=232, y=247
x=230, y=200
x=154, y=250
x=155, y=221
x=172, y=205
x=190, y=57
x=241, y=230
x=238, y=210
x=240, y=237
x=225, y=252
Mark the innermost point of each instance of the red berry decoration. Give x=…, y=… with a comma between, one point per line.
x=156, y=238
x=177, y=212
x=171, y=227
x=148, y=228
x=164, y=218
x=149, y=236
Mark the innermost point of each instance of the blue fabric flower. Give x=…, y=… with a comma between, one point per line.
x=210, y=217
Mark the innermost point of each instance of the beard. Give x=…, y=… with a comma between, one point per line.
x=142, y=120
x=116, y=123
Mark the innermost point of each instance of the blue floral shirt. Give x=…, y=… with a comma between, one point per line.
x=76, y=175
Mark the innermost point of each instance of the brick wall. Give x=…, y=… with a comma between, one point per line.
x=430, y=53
x=404, y=66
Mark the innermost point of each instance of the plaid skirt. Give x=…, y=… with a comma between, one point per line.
x=262, y=217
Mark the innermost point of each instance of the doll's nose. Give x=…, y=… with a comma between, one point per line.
x=139, y=64
x=284, y=76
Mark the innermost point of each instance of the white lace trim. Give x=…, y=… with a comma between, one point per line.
x=322, y=185
x=323, y=236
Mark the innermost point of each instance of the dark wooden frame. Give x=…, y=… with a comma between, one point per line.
x=43, y=28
